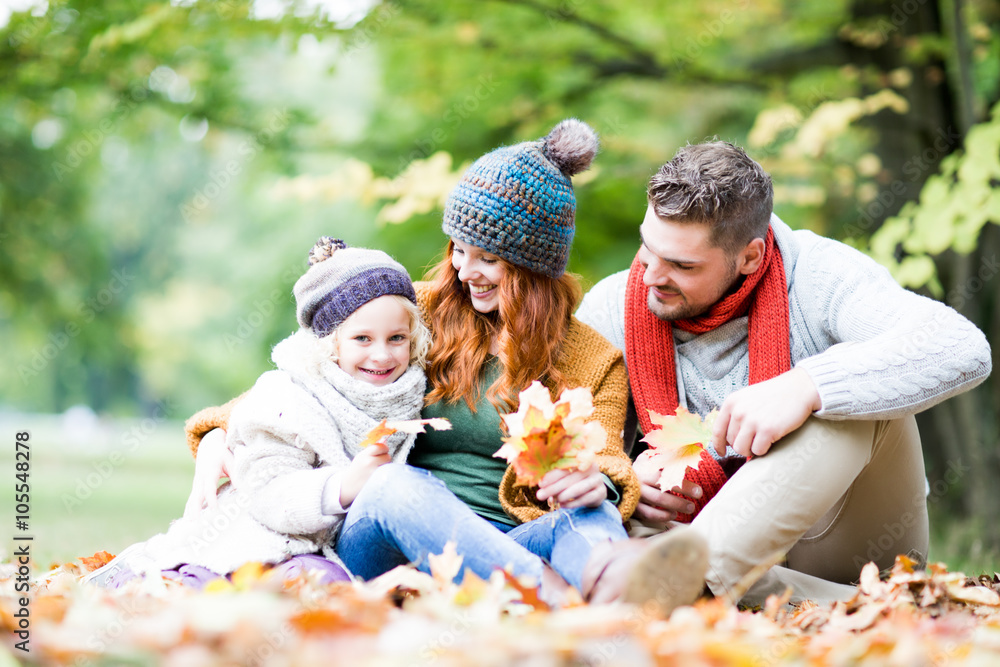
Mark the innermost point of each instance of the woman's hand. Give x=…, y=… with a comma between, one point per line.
x=213, y=463
x=573, y=488
x=367, y=461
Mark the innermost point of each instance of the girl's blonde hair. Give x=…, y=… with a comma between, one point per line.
x=420, y=337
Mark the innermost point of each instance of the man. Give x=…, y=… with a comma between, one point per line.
x=816, y=361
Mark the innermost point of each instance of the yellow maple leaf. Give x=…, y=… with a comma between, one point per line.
x=546, y=436
x=247, y=575
x=678, y=443
x=446, y=565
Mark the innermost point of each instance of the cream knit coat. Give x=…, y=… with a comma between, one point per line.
x=294, y=432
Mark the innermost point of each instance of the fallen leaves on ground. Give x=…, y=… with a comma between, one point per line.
x=909, y=617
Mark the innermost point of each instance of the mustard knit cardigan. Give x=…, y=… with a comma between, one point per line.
x=587, y=359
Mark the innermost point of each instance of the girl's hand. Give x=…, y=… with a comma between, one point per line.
x=573, y=488
x=212, y=464
x=364, y=464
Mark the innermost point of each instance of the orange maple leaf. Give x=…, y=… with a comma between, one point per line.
x=547, y=436
x=677, y=444
x=529, y=595
x=320, y=621
x=377, y=433
x=385, y=429
x=98, y=560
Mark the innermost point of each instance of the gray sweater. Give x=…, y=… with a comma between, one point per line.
x=874, y=349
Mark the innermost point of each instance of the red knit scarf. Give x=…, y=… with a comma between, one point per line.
x=651, y=370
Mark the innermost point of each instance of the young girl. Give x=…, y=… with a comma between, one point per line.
x=297, y=464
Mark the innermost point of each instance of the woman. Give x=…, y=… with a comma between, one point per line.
x=499, y=307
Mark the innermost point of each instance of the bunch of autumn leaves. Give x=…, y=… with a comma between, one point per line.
x=547, y=435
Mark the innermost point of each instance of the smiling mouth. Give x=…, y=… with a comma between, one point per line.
x=665, y=294
x=481, y=290
x=375, y=373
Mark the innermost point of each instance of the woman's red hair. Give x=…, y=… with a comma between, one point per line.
x=530, y=325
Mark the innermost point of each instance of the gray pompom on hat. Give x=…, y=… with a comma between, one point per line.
x=341, y=279
x=517, y=202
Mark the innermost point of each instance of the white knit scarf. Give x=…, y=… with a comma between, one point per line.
x=356, y=407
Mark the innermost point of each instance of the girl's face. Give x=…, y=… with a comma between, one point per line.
x=481, y=272
x=374, y=342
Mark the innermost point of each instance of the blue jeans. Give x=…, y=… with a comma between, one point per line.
x=403, y=514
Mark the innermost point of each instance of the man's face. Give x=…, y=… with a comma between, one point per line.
x=686, y=275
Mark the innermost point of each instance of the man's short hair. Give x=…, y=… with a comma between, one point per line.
x=719, y=184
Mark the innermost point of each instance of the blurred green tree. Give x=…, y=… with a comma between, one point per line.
x=164, y=166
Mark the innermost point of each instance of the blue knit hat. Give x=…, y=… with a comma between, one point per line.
x=340, y=280
x=517, y=202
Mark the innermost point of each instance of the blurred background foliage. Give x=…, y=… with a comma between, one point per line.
x=165, y=166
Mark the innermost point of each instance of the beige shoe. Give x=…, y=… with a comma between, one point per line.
x=667, y=571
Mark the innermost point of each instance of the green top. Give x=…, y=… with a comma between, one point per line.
x=462, y=458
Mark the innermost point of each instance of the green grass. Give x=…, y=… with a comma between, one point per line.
x=107, y=490
x=959, y=542
x=98, y=492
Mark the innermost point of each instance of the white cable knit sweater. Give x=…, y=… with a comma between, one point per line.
x=874, y=349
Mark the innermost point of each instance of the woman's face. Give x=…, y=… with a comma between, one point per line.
x=480, y=272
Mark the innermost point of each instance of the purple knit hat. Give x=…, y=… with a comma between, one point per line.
x=340, y=280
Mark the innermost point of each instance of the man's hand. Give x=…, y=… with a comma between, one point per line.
x=576, y=488
x=213, y=463
x=755, y=417
x=657, y=508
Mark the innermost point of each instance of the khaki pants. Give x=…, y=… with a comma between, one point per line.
x=832, y=496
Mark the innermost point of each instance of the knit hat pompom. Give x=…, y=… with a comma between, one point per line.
x=324, y=249
x=571, y=146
